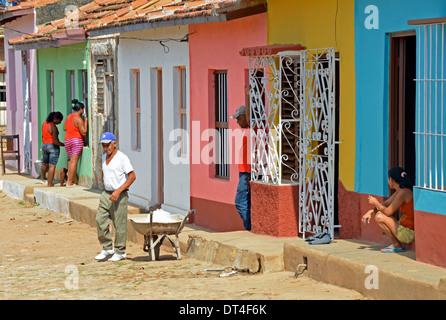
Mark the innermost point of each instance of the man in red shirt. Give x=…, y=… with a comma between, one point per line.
x=243, y=196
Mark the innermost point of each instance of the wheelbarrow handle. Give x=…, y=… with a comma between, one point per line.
x=181, y=226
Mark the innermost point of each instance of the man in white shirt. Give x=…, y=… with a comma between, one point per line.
x=118, y=175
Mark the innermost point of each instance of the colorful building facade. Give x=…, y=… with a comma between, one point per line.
x=218, y=69
x=399, y=112
x=387, y=75
x=21, y=86
x=330, y=25
x=63, y=74
x=154, y=137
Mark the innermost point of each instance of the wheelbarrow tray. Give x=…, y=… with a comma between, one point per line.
x=142, y=226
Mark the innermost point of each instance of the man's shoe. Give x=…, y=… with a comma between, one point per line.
x=104, y=254
x=117, y=257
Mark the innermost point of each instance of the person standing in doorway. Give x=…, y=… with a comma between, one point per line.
x=243, y=195
x=118, y=176
x=50, y=146
x=76, y=129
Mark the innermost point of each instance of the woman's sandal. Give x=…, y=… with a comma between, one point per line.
x=390, y=249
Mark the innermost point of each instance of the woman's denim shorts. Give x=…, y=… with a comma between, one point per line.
x=50, y=153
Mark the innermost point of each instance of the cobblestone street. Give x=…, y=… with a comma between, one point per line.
x=46, y=256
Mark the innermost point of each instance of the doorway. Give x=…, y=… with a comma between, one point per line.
x=402, y=97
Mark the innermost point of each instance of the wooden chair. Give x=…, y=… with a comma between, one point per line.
x=10, y=146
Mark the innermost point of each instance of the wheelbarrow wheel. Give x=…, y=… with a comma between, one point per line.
x=147, y=247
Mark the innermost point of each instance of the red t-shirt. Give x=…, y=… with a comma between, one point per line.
x=72, y=130
x=244, y=164
x=46, y=136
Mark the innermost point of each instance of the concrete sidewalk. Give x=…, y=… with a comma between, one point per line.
x=352, y=264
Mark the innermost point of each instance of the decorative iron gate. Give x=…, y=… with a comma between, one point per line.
x=317, y=141
x=292, y=102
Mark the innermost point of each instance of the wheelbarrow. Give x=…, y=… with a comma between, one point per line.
x=155, y=232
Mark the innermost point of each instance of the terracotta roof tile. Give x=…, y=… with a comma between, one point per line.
x=108, y=19
x=45, y=28
x=123, y=11
x=88, y=6
x=111, y=13
x=56, y=23
x=143, y=12
x=93, y=25
x=138, y=3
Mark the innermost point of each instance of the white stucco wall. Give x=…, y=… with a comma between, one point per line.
x=147, y=56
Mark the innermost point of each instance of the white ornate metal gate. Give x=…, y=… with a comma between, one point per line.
x=292, y=102
x=317, y=141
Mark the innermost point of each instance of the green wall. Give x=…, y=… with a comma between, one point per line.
x=62, y=60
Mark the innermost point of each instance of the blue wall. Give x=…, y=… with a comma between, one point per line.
x=429, y=201
x=372, y=83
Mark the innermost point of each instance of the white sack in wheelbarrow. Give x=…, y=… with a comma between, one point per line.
x=161, y=216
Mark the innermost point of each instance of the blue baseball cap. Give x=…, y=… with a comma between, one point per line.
x=107, y=137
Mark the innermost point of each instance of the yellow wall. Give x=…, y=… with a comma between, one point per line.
x=312, y=24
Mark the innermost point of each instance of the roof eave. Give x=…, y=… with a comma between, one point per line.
x=128, y=27
x=36, y=45
x=8, y=16
x=243, y=8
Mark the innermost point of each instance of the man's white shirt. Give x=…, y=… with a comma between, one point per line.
x=116, y=172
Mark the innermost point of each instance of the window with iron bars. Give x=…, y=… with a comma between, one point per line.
x=274, y=104
x=221, y=124
x=430, y=116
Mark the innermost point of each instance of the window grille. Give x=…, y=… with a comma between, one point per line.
x=182, y=110
x=221, y=124
x=430, y=116
x=275, y=118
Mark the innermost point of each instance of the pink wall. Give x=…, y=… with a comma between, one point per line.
x=430, y=238
x=216, y=46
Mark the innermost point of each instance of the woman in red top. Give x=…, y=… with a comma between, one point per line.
x=401, y=231
x=76, y=129
x=50, y=146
